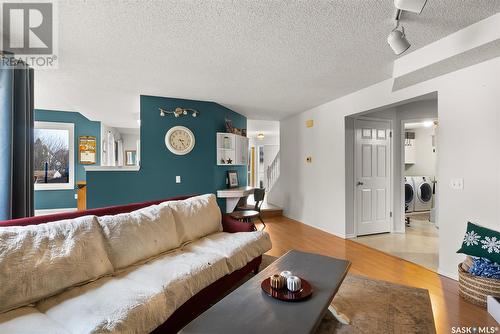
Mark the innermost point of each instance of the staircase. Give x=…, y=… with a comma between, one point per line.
x=273, y=172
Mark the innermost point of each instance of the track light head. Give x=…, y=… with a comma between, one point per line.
x=414, y=6
x=397, y=41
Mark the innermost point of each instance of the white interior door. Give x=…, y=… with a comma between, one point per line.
x=373, y=176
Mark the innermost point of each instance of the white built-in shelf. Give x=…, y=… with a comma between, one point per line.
x=231, y=149
x=112, y=168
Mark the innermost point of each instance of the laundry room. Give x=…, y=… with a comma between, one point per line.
x=403, y=140
x=421, y=186
x=420, y=154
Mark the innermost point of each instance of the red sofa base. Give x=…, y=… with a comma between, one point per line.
x=199, y=302
x=204, y=299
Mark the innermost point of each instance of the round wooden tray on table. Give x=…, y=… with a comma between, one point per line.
x=285, y=294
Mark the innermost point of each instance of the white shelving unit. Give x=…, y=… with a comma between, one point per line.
x=410, y=152
x=231, y=149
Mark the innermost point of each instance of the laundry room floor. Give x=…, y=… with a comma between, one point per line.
x=418, y=245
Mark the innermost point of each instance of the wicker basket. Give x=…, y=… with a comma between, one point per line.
x=475, y=289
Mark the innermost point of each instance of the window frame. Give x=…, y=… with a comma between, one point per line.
x=70, y=127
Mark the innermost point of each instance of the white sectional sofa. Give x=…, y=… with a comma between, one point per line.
x=121, y=273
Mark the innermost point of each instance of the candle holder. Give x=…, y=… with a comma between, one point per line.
x=286, y=274
x=277, y=282
x=293, y=283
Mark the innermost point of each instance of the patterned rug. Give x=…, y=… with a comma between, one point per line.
x=377, y=307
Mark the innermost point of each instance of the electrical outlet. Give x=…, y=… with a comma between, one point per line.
x=177, y=179
x=457, y=184
x=309, y=159
x=76, y=196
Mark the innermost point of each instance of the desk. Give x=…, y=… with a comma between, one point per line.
x=233, y=196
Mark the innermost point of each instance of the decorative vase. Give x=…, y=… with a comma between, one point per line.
x=286, y=274
x=293, y=283
x=277, y=282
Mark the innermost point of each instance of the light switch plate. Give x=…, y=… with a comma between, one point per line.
x=177, y=179
x=76, y=196
x=457, y=184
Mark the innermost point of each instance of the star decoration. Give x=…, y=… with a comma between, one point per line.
x=229, y=161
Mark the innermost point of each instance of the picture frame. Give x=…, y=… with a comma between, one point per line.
x=232, y=177
x=87, y=148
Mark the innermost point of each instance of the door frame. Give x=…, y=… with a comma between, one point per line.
x=403, y=167
x=391, y=172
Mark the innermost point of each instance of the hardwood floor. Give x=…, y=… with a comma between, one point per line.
x=448, y=308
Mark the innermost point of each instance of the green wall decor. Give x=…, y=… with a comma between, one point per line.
x=63, y=199
x=159, y=167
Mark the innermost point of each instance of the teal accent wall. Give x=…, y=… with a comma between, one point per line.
x=61, y=199
x=156, y=178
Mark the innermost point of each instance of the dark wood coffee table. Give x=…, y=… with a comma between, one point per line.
x=249, y=310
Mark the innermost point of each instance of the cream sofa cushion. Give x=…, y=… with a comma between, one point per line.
x=238, y=248
x=139, y=235
x=28, y=320
x=196, y=217
x=38, y=261
x=181, y=274
x=108, y=305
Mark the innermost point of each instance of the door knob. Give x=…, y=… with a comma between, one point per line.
x=360, y=183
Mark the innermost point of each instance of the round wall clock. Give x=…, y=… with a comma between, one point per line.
x=179, y=140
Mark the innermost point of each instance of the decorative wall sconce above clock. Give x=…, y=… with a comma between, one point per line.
x=179, y=112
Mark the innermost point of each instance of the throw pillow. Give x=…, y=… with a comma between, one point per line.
x=481, y=242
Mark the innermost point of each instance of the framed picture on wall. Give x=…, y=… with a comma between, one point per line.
x=232, y=177
x=87, y=150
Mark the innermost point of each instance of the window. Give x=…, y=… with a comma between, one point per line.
x=54, y=156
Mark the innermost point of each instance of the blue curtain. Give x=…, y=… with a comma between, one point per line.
x=16, y=141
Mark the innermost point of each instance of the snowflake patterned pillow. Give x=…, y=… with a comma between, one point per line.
x=481, y=242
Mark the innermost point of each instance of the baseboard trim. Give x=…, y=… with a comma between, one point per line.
x=446, y=274
x=270, y=213
x=44, y=212
x=340, y=235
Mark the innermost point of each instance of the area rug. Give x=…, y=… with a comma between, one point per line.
x=377, y=307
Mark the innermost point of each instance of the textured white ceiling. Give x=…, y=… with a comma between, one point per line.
x=264, y=59
x=267, y=128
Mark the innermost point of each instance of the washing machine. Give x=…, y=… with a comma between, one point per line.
x=423, y=191
x=409, y=195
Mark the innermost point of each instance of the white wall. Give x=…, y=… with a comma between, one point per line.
x=270, y=143
x=104, y=143
x=268, y=140
x=469, y=139
x=415, y=110
x=425, y=157
x=130, y=141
